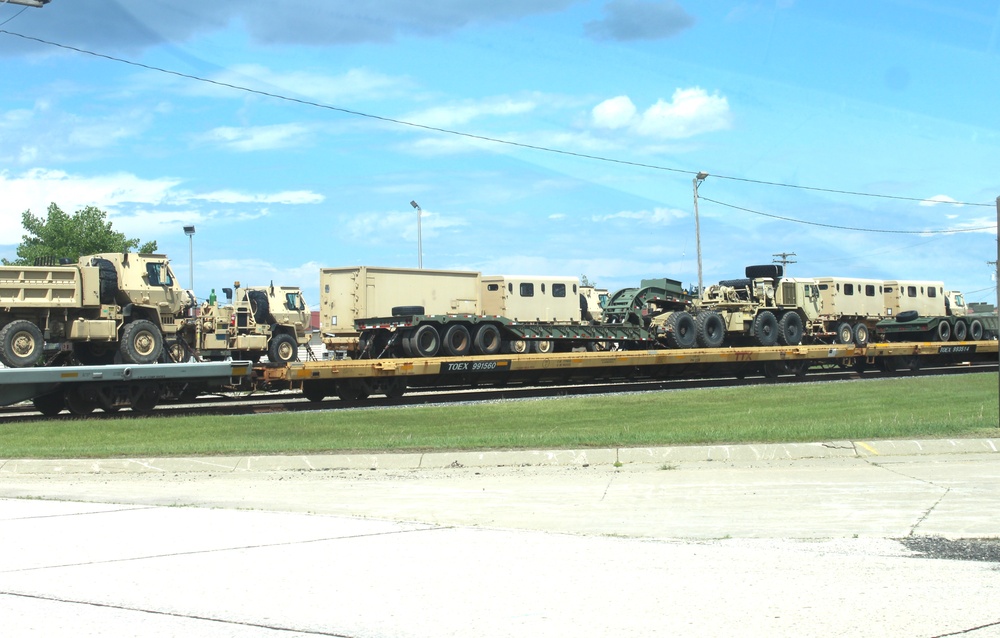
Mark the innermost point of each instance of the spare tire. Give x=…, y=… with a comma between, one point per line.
x=399, y=311
x=907, y=315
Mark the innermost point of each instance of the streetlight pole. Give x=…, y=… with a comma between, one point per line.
x=420, y=248
x=189, y=231
x=696, y=182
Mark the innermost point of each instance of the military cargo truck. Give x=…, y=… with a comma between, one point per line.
x=271, y=320
x=105, y=308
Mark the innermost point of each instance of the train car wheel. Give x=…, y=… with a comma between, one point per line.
x=486, y=340
x=790, y=329
x=79, y=403
x=425, y=341
x=765, y=329
x=860, y=335
x=976, y=330
x=456, y=342
x=943, y=332
x=50, y=404
x=710, y=329
x=845, y=334
x=961, y=331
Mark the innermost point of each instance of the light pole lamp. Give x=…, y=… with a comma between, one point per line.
x=189, y=231
x=420, y=248
x=696, y=182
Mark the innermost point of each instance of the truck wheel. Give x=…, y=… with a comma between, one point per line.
x=790, y=329
x=943, y=332
x=425, y=341
x=20, y=344
x=961, y=331
x=486, y=340
x=543, y=347
x=907, y=315
x=765, y=329
x=456, y=342
x=860, y=335
x=845, y=334
x=976, y=330
x=710, y=329
x=141, y=342
x=282, y=349
x=518, y=346
x=681, y=332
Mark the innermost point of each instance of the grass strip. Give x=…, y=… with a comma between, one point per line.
x=923, y=407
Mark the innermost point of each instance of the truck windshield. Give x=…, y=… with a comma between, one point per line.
x=159, y=275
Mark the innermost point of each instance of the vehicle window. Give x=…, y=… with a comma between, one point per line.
x=293, y=301
x=848, y=289
x=493, y=287
x=558, y=290
x=824, y=287
x=932, y=292
x=159, y=275
x=543, y=289
x=911, y=291
x=870, y=290
x=527, y=290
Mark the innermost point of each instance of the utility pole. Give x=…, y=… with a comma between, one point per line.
x=784, y=261
x=696, y=182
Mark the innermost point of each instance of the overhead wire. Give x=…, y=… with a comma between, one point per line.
x=858, y=229
x=486, y=138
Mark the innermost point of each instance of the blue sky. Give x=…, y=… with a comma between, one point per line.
x=605, y=110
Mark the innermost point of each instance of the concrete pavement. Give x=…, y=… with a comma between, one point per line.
x=712, y=541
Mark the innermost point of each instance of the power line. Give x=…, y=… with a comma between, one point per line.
x=473, y=136
x=863, y=230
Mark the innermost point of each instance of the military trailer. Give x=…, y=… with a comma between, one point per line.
x=360, y=292
x=106, y=308
x=930, y=313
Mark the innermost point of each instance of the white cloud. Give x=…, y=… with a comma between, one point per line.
x=234, y=197
x=464, y=112
x=258, y=138
x=690, y=112
x=937, y=200
x=352, y=86
x=660, y=216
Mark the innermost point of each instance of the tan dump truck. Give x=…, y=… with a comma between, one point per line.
x=102, y=309
x=271, y=320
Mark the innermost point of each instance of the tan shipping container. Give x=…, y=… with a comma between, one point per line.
x=363, y=292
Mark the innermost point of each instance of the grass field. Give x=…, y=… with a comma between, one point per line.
x=925, y=407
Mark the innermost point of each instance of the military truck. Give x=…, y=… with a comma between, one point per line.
x=271, y=320
x=105, y=308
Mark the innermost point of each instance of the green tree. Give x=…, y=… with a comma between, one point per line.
x=85, y=232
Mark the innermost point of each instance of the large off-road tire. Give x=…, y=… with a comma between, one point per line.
x=282, y=349
x=943, y=332
x=976, y=330
x=960, y=331
x=486, y=340
x=907, y=315
x=20, y=344
x=765, y=329
x=860, y=335
x=680, y=330
x=845, y=333
x=710, y=329
x=425, y=341
x=456, y=341
x=141, y=342
x=790, y=329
